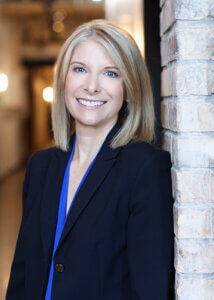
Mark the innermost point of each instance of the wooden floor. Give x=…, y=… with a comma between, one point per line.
x=10, y=217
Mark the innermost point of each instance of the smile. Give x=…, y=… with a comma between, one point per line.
x=90, y=103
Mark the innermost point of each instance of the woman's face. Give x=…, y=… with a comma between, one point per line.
x=94, y=89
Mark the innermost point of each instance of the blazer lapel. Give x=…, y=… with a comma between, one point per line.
x=99, y=170
x=50, y=198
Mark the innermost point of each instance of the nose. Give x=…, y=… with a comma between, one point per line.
x=92, y=85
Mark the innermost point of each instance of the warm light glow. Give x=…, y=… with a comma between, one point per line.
x=3, y=82
x=48, y=94
x=59, y=15
x=58, y=26
x=97, y=0
x=129, y=15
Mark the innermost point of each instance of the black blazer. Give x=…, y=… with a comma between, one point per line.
x=117, y=243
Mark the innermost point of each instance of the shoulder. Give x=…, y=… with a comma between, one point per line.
x=38, y=165
x=143, y=154
x=43, y=157
x=44, y=153
x=151, y=170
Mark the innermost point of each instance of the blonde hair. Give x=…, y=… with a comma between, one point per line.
x=137, y=113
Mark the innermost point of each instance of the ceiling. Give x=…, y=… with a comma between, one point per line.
x=22, y=8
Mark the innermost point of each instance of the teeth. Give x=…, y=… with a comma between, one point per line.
x=90, y=103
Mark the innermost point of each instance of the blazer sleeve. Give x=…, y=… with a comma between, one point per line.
x=16, y=285
x=150, y=231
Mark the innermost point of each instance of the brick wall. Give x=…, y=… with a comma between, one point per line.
x=187, y=56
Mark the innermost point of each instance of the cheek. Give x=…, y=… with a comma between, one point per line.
x=68, y=84
x=69, y=92
x=119, y=93
x=114, y=88
x=72, y=83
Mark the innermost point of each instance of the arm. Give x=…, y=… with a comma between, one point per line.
x=16, y=286
x=150, y=232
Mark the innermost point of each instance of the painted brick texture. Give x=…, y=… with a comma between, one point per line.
x=187, y=114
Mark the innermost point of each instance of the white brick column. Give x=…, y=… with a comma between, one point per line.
x=187, y=55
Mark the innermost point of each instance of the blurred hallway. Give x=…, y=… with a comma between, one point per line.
x=10, y=218
x=31, y=35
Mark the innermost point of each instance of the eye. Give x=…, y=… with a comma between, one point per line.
x=79, y=69
x=111, y=74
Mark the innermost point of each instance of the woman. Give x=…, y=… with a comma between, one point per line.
x=97, y=208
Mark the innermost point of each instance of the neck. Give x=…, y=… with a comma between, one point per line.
x=88, y=141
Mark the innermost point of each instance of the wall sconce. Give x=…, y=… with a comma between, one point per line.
x=3, y=82
x=58, y=26
x=47, y=94
x=58, y=18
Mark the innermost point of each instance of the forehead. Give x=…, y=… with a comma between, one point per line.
x=91, y=50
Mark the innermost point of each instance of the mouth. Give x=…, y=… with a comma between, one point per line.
x=91, y=102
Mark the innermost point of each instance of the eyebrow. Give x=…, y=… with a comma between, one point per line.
x=80, y=63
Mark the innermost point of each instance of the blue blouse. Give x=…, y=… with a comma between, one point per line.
x=62, y=213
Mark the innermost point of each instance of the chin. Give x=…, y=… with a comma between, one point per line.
x=90, y=123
